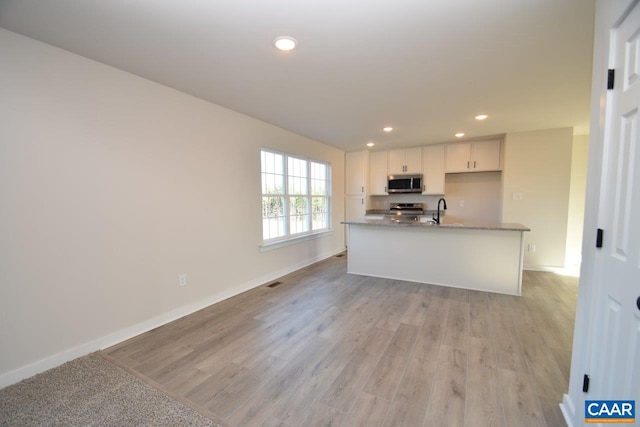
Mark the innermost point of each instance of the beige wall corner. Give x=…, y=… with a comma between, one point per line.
x=536, y=183
x=577, y=193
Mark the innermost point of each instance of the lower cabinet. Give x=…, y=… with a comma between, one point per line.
x=354, y=208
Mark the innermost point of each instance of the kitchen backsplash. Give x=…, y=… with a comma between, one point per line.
x=471, y=197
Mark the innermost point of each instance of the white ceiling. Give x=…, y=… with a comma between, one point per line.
x=425, y=67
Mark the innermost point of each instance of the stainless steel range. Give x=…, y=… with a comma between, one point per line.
x=405, y=212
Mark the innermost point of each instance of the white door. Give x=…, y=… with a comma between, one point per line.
x=615, y=365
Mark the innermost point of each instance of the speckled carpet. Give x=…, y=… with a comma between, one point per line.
x=90, y=391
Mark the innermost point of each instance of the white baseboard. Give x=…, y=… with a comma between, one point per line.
x=547, y=268
x=568, y=410
x=107, y=341
x=566, y=271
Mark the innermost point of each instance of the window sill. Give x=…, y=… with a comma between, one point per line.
x=268, y=246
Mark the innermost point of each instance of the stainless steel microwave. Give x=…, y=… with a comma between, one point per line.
x=404, y=183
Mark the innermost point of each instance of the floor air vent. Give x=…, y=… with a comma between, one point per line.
x=339, y=256
x=274, y=284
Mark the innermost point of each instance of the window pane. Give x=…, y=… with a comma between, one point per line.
x=273, y=218
x=298, y=214
x=272, y=207
x=319, y=204
x=272, y=173
x=273, y=228
x=319, y=182
x=320, y=213
x=274, y=184
x=287, y=208
x=320, y=222
x=318, y=188
x=298, y=180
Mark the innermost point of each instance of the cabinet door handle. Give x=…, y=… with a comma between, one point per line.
x=362, y=201
x=385, y=188
x=474, y=164
x=467, y=165
x=363, y=189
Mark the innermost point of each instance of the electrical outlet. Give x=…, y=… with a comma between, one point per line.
x=462, y=203
x=531, y=247
x=182, y=280
x=516, y=196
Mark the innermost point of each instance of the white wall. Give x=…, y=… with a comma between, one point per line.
x=537, y=165
x=577, y=192
x=111, y=186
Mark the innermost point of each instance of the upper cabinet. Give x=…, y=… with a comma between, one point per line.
x=378, y=173
x=433, y=170
x=405, y=161
x=356, y=170
x=477, y=156
x=486, y=155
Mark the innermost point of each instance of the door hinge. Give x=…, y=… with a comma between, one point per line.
x=611, y=76
x=599, y=238
x=585, y=383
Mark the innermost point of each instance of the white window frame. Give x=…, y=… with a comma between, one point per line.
x=289, y=238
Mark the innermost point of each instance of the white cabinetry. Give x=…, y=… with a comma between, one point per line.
x=378, y=173
x=433, y=170
x=405, y=161
x=356, y=172
x=486, y=155
x=477, y=156
x=355, y=208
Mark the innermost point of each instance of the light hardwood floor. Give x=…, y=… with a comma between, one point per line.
x=328, y=348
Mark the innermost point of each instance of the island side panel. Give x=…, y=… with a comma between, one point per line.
x=486, y=260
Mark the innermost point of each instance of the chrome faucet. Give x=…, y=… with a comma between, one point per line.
x=437, y=219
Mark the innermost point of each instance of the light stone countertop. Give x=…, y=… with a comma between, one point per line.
x=457, y=226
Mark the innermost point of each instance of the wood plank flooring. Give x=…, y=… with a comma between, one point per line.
x=327, y=348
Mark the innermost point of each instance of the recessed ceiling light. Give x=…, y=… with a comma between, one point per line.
x=387, y=129
x=481, y=116
x=370, y=144
x=285, y=43
x=459, y=134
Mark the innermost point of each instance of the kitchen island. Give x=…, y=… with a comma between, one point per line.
x=484, y=257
